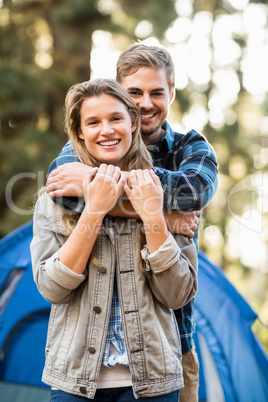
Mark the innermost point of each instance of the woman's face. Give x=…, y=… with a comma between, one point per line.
x=106, y=128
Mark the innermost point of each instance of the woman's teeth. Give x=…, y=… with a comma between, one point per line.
x=107, y=143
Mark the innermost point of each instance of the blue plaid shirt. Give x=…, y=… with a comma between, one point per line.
x=115, y=335
x=187, y=167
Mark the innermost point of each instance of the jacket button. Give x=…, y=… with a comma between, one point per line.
x=92, y=350
x=97, y=309
x=83, y=390
x=102, y=270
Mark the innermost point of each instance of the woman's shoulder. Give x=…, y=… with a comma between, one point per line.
x=54, y=215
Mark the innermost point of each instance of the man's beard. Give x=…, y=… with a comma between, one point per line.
x=147, y=131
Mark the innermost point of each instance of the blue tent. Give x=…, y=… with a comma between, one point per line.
x=233, y=364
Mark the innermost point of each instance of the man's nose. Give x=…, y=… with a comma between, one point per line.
x=145, y=102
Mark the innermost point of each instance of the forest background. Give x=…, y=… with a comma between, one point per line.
x=220, y=50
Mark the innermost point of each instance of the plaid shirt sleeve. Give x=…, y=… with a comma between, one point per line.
x=67, y=155
x=188, y=173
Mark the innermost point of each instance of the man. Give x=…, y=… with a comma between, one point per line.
x=186, y=165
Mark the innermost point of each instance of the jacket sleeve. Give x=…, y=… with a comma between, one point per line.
x=173, y=271
x=54, y=280
x=192, y=182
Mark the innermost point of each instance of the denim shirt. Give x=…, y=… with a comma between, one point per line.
x=81, y=304
x=187, y=167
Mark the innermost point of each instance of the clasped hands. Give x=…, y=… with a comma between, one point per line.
x=104, y=187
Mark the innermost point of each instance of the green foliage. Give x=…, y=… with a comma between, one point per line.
x=45, y=47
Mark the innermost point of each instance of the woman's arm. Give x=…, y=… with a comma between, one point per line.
x=172, y=264
x=101, y=192
x=65, y=265
x=145, y=193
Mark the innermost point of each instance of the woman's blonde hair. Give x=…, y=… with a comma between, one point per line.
x=137, y=157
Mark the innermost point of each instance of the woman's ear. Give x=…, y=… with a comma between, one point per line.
x=133, y=117
x=133, y=125
x=80, y=134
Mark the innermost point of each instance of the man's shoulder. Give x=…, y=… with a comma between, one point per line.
x=190, y=137
x=192, y=134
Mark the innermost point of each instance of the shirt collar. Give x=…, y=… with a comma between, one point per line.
x=168, y=138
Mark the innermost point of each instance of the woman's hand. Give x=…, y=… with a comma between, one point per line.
x=101, y=189
x=145, y=193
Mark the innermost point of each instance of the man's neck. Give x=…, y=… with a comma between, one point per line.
x=154, y=138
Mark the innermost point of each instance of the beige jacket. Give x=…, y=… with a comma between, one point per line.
x=81, y=304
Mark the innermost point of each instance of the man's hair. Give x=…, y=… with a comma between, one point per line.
x=139, y=55
x=137, y=157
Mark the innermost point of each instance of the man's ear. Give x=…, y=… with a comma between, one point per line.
x=172, y=95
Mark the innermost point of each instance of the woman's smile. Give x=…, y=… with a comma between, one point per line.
x=107, y=131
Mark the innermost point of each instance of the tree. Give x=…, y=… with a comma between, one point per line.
x=45, y=48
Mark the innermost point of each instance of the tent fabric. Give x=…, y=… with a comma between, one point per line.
x=24, y=320
x=233, y=364
x=225, y=318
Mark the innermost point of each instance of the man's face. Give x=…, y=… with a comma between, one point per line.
x=149, y=90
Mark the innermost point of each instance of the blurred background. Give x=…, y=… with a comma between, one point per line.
x=220, y=50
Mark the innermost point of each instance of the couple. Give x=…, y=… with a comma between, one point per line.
x=133, y=348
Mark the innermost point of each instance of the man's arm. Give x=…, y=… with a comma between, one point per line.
x=190, y=187
x=189, y=176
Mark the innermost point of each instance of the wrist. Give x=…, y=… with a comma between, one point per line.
x=155, y=223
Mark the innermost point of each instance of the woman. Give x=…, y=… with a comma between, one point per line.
x=112, y=282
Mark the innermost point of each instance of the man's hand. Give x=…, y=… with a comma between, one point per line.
x=184, y=223
x=67, y=180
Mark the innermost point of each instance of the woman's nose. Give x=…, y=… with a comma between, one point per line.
x=106, y=128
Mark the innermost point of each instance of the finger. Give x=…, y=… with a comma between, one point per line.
x=89, y=176
x=155, y=178
x=102, y=169
x=186, y=231
x=110, y=171
x=55, y=193
x=52, y=174
x=147, y=176
x=190, y=234
x=117, y=174
x=52, y=187
x=193, y=227
x=140, y=176
x=122, y=182
x=132, y=178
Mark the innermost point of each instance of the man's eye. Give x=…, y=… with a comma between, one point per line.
x=134, y=93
